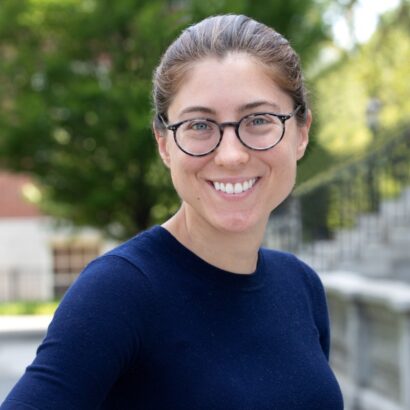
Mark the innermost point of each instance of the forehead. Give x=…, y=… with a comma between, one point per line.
x=226, y=85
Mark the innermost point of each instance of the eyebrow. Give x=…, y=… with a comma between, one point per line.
x=198, y=108
x=243, y=108
x=257, y=104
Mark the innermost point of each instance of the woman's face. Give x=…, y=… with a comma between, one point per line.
x=226, y=90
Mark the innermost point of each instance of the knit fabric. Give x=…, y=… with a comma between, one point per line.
x=150, y=325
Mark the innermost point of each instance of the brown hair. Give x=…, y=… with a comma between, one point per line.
x=216, y=37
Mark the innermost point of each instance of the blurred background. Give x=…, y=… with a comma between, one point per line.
x=79, y=170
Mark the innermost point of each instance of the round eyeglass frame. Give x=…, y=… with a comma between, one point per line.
x=282, y=117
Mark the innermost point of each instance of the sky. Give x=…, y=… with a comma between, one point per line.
x=365, y=19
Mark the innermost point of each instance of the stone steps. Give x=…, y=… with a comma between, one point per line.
x=378, y=246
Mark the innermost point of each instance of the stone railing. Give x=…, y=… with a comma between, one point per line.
x=370, y=322
x=19, y=339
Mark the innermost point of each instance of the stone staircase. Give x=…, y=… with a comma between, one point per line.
x=378, y=246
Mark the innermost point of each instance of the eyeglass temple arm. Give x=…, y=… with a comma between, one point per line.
x=162, y=120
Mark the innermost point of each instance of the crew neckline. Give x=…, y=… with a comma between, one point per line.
x=194, y=264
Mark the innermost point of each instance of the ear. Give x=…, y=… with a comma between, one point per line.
x=303, y=138
x=162, y=142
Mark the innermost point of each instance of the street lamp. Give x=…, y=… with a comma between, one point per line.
x=372, y=115
x=373, y=123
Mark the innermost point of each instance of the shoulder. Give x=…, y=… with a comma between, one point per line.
x=293, y=269
x=138, y=251
x=289, y=261
x=116, y=279
x=304, y=285
x=124, y=263
x=109, y=291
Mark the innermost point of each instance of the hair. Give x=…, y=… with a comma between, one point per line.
x=218, y=36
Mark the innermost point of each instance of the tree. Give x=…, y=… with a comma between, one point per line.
x=76, y=113
x=300, y=21
x=374, y=72
x=362, y=172
x=75, y=88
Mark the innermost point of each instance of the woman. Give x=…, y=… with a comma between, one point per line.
x=194, y=314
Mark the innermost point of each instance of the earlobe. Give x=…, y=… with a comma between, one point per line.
x=304, y=136
x=162, y=143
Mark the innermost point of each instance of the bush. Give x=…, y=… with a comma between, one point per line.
x=28, y=308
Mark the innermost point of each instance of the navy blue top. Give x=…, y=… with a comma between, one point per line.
x=150, y=325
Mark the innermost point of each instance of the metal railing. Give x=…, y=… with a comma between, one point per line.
x=336, y=215
x=25, y=284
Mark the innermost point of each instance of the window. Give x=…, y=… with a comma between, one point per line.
x=69, y=259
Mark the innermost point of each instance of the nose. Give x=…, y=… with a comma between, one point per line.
x=230, y=152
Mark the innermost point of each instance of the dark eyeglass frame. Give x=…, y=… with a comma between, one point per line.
x=282, y=117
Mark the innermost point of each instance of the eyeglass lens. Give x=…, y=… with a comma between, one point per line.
x=258, y=131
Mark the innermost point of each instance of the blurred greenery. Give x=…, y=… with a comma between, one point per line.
x=28, y=308
x=362, y=117
x=75, y=106
x=374, y=73
x=75, y=84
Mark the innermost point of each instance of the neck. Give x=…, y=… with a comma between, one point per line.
x=231, y=251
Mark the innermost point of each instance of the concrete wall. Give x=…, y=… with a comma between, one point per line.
x=25, y=258
x=370, y=340
x=19, y=338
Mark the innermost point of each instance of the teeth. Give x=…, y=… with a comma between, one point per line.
x=229, y=188
x=236, y=188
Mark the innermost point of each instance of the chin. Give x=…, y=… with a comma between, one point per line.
x=239, y=224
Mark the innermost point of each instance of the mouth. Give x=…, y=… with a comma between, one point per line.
x=234, y=188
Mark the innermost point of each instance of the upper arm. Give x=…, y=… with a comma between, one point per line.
x=319, y=307
x=93, y=338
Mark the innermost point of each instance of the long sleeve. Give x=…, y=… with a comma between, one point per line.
x=319, y=308
x=89, y=343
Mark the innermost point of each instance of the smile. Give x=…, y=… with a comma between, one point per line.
x=234, y=188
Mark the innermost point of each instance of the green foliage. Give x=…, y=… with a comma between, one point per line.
x=376, y=70
x=77, y=112
x=28, y=308
x=75, y=81
x=301, y=21
x=364, y=161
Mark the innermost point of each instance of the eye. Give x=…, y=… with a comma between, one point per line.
x=258, y=120
x=198, y=125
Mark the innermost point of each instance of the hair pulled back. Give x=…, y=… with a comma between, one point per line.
x=218, y=36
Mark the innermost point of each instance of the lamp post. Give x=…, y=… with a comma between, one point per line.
x=373, y=123
x=372, y=115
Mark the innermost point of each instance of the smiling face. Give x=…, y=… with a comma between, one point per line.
x=234, y=188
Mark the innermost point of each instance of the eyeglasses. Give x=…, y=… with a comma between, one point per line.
x=258, y=131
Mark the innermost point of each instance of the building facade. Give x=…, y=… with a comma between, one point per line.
x=39, y=257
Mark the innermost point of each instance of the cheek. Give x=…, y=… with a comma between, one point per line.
x=285, y=175
x=282, y=159
x=185, y=172
x=282, y=164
